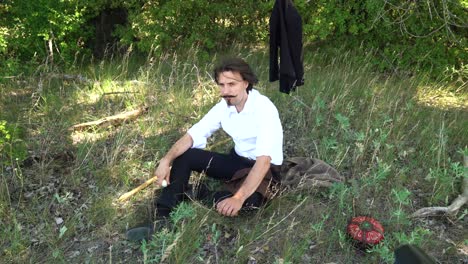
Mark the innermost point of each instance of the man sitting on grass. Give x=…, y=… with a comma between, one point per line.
x=250, y=169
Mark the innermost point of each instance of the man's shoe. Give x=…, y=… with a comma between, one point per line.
x=140, y=233
x=146, y=231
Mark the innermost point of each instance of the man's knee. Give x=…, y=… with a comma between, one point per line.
x=194, y=160
x=186, y=158
x=183, y=165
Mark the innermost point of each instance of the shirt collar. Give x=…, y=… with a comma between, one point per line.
x=248, y=104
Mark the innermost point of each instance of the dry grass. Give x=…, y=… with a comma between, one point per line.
x=396, y=140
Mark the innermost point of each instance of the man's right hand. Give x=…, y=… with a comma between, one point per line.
x=164, y=168
x=163, y=172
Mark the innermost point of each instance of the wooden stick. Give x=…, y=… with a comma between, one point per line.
x=129, y=194
x=453, y=208
x=126, y=92
x=115, y=119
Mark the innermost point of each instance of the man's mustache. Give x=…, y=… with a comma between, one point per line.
x=228, y=96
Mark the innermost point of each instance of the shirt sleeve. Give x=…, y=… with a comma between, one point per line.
x=202, y=130
x=270, y=135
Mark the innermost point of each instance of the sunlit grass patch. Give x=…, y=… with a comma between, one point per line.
x=442, y=99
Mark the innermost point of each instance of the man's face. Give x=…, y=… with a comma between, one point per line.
x=233, y=89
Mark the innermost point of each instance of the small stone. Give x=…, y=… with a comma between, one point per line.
x=252, y=260
x=92, y=249
x=58, y=220
x=74, y=254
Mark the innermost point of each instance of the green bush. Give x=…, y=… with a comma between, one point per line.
x=210, y=25
x=39, y=28
x=33, y=31
x=425, y=36
x=409, y=35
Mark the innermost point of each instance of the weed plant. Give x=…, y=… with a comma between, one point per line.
x=398, y=149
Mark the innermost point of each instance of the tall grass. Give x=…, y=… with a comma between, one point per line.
x=398, y=150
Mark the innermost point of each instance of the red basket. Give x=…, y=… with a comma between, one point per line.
x=365, y=230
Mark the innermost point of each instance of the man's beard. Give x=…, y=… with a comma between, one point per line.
x=228, y=99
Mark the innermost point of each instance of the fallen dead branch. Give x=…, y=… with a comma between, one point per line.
x=110, y=120
x=70, y=77
x=125, y=92
x=453, y=208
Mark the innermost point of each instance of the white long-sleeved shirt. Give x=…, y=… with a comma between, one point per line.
x=256, y=130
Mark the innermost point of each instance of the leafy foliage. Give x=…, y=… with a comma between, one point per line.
x=162, y=25
x=408, y=35
x=36, y=29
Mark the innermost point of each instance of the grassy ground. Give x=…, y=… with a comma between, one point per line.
x=398, y=140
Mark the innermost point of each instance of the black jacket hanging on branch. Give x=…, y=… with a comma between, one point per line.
x=286, y=34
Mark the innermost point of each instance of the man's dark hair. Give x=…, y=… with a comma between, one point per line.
x=237, y=65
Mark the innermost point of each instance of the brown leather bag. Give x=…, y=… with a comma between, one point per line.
x=295, y=173
x=269, y=187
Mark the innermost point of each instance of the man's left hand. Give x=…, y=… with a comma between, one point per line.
x=229, y=206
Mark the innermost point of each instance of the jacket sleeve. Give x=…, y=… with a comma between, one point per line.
x=274, y=42
x=294, y=22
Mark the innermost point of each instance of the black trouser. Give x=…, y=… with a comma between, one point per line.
x=214, y=165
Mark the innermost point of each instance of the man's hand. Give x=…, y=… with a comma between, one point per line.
x=164, y=168
x=163, y=172
x=229, y=206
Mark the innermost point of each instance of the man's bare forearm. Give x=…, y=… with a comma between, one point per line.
x=181, y=146
x=255, y=177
